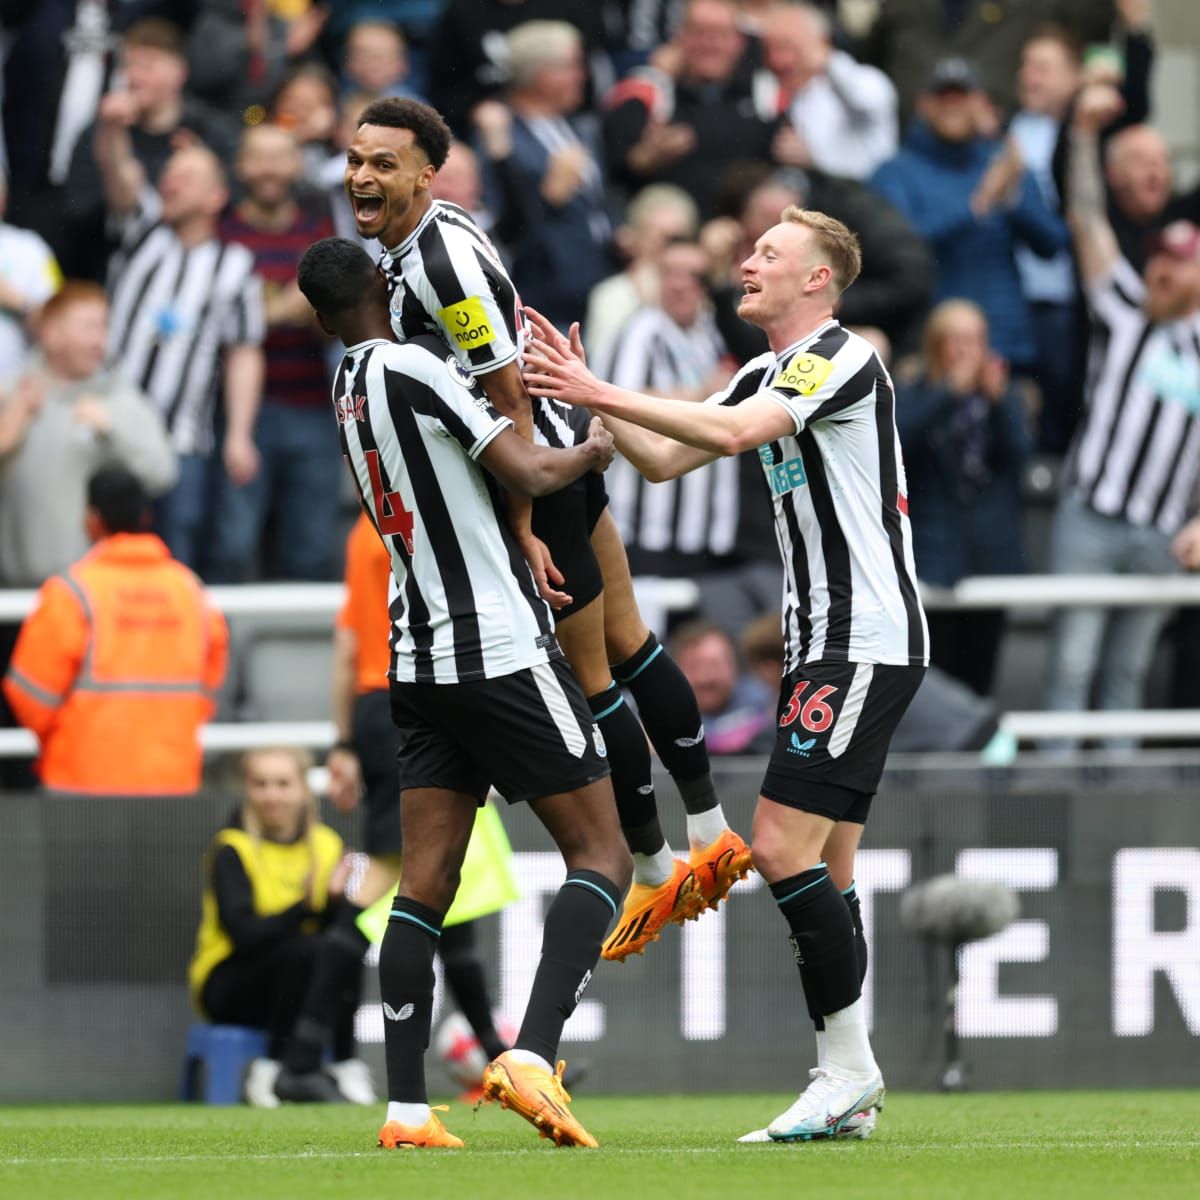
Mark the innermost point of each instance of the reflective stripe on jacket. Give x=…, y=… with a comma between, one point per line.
x=116, y=670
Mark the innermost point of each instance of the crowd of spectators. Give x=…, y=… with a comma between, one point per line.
x=172, y=161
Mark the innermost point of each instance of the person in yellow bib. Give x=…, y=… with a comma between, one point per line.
x=273, y=879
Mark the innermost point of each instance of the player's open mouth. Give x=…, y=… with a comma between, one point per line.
x=750, y=288
x=367, y=206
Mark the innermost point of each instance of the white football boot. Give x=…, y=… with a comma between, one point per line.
x=826, y=1105
x=353, y=1079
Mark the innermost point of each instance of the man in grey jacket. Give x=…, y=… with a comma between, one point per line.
x=62, y=418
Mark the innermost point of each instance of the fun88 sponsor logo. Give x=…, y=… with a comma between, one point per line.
x=782, y=477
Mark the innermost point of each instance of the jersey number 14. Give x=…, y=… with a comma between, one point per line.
x=391, y=517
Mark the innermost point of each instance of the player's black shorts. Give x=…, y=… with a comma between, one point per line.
x=564, y=521
x=529, y=734
x=377, y=744
x=834, y=725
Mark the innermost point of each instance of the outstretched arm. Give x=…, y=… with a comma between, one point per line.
x=1095, y=243
x=714, y=430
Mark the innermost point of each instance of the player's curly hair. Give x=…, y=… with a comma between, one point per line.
x=333, y=274
x=429, y=131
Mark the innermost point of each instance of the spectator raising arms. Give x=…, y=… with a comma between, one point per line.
x=273, y=877
x=966, y=439
x=62, y=418
x=116, y=668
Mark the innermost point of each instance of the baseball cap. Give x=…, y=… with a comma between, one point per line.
x=1180, y=239
x=954, y=74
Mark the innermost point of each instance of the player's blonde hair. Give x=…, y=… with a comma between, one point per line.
x=836, y=243
x=538, y=44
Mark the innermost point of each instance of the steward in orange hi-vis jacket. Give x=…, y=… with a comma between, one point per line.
x=116, y=668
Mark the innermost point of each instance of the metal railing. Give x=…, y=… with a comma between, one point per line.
x=1011, y=592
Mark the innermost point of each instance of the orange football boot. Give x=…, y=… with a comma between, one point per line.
x=537, y=1095
x=720, y=865
x=647, y=909
x=433, y=1134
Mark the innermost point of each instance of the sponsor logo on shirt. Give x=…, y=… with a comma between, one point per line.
x=458, y=372
x=786, y=476
x=803, y=373
x=1175, y=379
x=467, y=324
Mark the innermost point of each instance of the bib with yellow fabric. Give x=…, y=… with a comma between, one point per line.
x=278, y=876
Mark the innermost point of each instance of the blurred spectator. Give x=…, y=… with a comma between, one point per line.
x=687, y=119
x=841, y=115
x=375, y=61
x=1130, y=480
x=892, y=293
x=238, y=50
x=545, y=169
x=306, y=105
x=460, y=181
x=150, y=104
x=1050, y=74
x=685, y=526
x=417, y=20
x=909, y=36
x=469, y=58
x=972, y=198
x=763, y=650
x=294, y=494
x=966, y=441
x=116, y=667
x=187, y=319
x=273, y=878
x=29, y=276
x=657, y=215
x=65, y=416
x=738, y=709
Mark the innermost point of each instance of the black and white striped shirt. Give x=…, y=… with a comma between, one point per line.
x=462, y=600
x=686, y=524
x=839, y=497
x=175, y=310
x=447, y=278
x=1136, y=454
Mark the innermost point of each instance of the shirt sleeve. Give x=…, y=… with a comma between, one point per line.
x=468, y=416
x=1117, y=294
x=814, y=388
x=245, y=320
x=470, y=298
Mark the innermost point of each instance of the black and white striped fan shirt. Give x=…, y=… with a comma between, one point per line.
x=1136, y=454
x=175, y=309
x=839, y=496
x=680, y=525
x=462, y=600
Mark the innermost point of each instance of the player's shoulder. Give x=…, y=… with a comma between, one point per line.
x=835, y=355
x=426, y=358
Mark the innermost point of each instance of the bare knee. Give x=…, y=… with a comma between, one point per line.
x=433, y=884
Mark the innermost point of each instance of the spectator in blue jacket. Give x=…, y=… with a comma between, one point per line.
x=544, y=172
x=970, y=196
x=966, y=441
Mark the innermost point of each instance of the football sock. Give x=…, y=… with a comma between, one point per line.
x=463, y=972
x=653, y=869
x=406, y=988
x=822, y=941
x=575, y=926
x=530, y=1059
x=629, y=758
x=704, y=828
x=847, y=1046
x=338, y=961
x=412, y=1115
x=850, y=895
x=820, y=1036
x=668, y=709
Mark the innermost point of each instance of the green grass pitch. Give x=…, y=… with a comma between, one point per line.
x=1059, y=1145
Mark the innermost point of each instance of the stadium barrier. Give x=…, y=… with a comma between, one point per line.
x=1096, y=984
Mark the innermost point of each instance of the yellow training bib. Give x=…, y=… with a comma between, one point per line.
x=804, y=373
x=467, y=323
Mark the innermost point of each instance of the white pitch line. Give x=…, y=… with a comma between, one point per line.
x=662, y=1152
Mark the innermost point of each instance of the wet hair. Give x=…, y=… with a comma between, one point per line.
x=430, y=132
x=119, y=500
x=333, y=275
